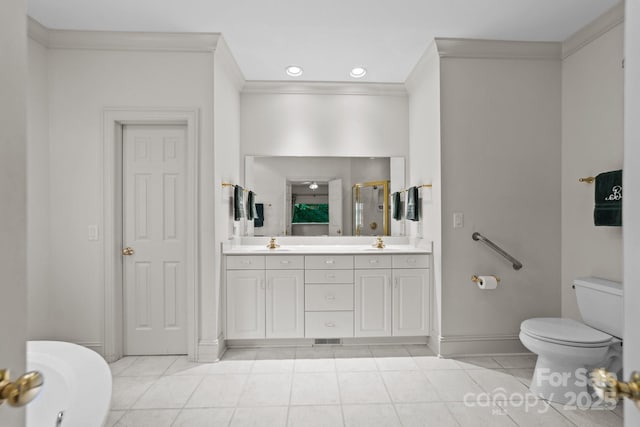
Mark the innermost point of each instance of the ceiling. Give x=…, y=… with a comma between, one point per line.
x=329, y=37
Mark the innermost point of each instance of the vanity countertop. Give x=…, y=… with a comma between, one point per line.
x=324, y=249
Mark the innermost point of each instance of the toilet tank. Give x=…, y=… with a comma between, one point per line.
x=600, y=303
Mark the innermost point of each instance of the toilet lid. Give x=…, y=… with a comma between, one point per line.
x=564, y=330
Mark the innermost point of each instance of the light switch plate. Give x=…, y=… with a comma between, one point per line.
x=93, y=233
x=458, y=220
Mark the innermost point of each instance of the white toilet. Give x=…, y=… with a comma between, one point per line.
x=567, y=349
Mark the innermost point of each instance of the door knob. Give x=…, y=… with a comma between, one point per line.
x=610, y=389
x=21, y=391
x=128, y=251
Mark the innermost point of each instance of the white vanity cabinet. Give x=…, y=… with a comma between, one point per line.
x=245, y=304
x=411, y=302
x=392, y=295
x=327, y=296
x=373, y=303
x=265, y=297
x=285, y=304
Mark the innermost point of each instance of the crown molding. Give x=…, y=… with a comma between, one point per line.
x=227, y=60
x=324, y=88
x=37, y=32
x=122, y=40
x=497, y=49
x=116, y=40
x=415, y=76
x=601, y=25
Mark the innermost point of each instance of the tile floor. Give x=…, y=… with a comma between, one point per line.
x=336, y=386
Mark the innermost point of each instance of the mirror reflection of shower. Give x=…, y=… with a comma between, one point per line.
x=371, y=208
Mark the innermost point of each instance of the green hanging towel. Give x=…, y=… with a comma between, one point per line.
x=238, y=203
x=397, y=207
x=608, y=199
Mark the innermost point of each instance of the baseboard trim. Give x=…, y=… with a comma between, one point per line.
x=96, y=346
x=467, y=345
x=210, y=350
x=307, y=342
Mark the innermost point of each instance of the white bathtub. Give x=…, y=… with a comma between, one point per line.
x=77, y=382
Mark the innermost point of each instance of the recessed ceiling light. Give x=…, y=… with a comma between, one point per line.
x=294, y=71
x=358, y=72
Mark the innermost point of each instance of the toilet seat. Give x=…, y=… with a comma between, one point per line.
x=565, y=332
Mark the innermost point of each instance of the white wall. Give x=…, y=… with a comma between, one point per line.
x=324, y=122
x=228, y=81
x=495, y=114
x=501, y=168
x=424, y=166
x=592, y=142
x=38, y=192
x=65, y=178
x=632, y=200
x=13, y=224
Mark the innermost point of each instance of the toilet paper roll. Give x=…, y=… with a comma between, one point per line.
x=487, y=282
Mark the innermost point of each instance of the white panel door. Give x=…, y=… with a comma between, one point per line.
x=285, y=304
x=154, y=187
x=411, y=296
x=335, y=207
x=373, y=303
x=245, y=304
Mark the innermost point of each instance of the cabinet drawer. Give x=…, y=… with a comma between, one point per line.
x=328, y=276
x=245, y=262
x=328, y=261
x=411, y=261
x=328, y=324
x=285, y=262
x=373, y=261
x=328, y=297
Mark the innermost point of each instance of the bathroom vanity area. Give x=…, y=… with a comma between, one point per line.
x=324, y=288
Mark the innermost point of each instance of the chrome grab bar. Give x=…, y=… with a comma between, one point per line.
x=517, y=265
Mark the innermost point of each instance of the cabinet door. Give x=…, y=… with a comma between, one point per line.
x=285, y=304
x=245, y=304
x=373, y=303
x=411, y=302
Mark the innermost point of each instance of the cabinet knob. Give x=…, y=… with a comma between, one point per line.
x=285, y=262
x=373, y=261
x=330, y=298
x=329, y=261
x=330, y=325
x=331, y=276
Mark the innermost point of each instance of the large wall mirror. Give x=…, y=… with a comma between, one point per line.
x=324, y=196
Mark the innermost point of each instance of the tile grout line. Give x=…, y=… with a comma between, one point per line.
x=393, y=403
x=340, y=395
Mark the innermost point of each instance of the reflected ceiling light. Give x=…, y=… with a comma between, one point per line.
x=294, y=71
x=358, y=72
x=313, y=185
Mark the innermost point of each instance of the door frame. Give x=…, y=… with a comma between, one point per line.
x=114, y=119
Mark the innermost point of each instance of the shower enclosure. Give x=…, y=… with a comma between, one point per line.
x=371, y=208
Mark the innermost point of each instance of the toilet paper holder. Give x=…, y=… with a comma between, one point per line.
x=476, y=279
